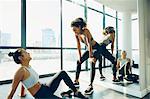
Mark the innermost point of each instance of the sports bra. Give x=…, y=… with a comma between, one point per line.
x=83, y=40
x=32, y=79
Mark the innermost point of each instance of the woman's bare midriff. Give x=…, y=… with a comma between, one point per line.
x=33, y=90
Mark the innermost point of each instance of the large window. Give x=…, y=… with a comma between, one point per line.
x=10, y=35
x=10, y=22
x=76, y=11
x=77, y=1
x=45, y=61
x=110, y=11
x=95, y=5
x=70, y=56
x=7, y=66
x=43, y=30
x=43, y=23
x=95, y=24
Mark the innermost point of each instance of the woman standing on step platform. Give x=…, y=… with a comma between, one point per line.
x=83, y=34
x=30, y=79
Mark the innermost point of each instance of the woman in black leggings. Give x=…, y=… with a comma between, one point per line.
x=83, y=34
x=30, y=79
x=109, y=33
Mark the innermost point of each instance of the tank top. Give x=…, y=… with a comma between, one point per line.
x=32, y=79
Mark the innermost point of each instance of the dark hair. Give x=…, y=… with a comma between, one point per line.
x=78, y=22
x=110, y=29
x=15, y=56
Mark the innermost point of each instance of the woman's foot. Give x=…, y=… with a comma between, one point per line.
x=115, y=80
x=66, y=94
x=76, y=84
x=102, y=77
x=89, y=90
x=80, y=95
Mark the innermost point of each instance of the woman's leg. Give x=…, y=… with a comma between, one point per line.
x=84, y=57
x=100, y=64
x=53, y=85
x=92, y=73
x=90, y=90
x=111, y=58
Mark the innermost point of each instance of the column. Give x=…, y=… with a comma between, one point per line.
x=127, y=34
x=144, y=46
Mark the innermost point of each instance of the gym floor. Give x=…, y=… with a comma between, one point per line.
x=102, y=89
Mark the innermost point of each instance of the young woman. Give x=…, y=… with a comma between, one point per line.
x=124, y=65
x=109, y=33
x=83, y=35
x=30, y=79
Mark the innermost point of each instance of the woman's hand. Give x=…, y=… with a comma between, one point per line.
x=9, y=97
x=91, y=59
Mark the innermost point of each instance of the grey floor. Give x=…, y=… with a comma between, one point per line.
x=102, y=89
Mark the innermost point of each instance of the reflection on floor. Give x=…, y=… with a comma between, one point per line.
x=102, y=89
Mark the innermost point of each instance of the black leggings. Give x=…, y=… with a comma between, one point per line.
x=47, y=90
x=100, y=64
x=104, y=52
x=84, y=57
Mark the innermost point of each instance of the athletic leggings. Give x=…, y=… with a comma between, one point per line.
x=97, y=52
x=100, y=64
x=85, y=56
x=104, y=52
x=47, y=90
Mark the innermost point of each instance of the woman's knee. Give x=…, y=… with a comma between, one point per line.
x=78, y=63
x=62, y=72
x=94, y=60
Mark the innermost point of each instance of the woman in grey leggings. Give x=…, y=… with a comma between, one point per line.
x=30, y=79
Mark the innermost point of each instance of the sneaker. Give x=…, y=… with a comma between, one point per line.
x=120, y=78
x=102, y=78
x=115, y=80
x=66, y=94
x=89, y=90
x=80, y=95
x=76, y=84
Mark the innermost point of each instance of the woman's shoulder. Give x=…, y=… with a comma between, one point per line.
x=21, y=69
x=20, y=72
x=119, y=59
x=85, y=29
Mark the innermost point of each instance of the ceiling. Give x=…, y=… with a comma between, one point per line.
x=121, y=5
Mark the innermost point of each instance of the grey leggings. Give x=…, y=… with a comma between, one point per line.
x=47, y=90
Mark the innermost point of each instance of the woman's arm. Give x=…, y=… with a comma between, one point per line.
x=17, y=78
x=130, y=68
x=78, y=47
x=88, y=40
x=113, y=40
x=118, y=64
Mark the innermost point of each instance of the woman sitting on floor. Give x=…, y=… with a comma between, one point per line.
x=30, y=79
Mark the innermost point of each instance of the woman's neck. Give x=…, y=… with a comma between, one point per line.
x=25, y=64
x=123, y=57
